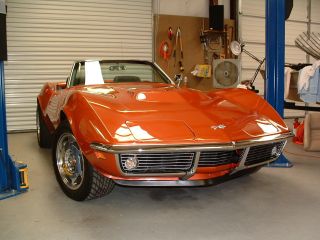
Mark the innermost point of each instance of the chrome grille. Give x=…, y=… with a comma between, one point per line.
x=217, y=158
x=262, y=153
x=159, y=162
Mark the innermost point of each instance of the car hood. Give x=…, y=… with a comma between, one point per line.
x=163, y=113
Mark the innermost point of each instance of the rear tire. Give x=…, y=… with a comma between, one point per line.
x=75, y=175
x=43, y=134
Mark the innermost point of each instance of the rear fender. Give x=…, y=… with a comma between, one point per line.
x=45, y=94
x=47, y=91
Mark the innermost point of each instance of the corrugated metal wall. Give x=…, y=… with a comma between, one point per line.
x=252, y=32
x=45, y=37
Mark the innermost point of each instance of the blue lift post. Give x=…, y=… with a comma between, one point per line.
x=13, y=175
x=275, y=43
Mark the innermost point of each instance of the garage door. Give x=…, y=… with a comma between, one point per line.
x=45, y=37
x=252, y=32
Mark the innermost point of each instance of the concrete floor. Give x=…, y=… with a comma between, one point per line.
x=271, y=204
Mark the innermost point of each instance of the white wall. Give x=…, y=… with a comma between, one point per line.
x=198, y=8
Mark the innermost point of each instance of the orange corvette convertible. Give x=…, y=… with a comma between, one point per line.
x=127, y=123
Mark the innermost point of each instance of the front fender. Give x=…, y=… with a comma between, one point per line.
x=85, y=124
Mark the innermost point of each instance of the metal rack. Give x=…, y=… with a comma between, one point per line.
x=215, y=41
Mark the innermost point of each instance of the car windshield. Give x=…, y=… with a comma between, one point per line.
x=100, y=72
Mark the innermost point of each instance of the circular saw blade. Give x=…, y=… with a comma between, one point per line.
x=226, y=73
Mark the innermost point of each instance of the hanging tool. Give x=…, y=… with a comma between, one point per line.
x=178, y=41
x=170, y=33
x=165, y=50
x=181, y=66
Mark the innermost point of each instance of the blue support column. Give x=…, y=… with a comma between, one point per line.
x=275, y=44
x=9, y=170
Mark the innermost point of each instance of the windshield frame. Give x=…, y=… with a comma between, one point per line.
x=156, y=67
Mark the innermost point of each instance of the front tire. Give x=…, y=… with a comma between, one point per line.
x=76, y=177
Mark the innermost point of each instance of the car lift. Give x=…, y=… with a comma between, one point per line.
x=13, y=175
x=274, y=86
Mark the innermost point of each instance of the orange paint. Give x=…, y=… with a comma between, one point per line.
x=156, y=113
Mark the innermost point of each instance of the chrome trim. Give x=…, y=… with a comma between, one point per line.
x=283, y=146
x=180, y=183
x=100, y=147
x=117, y=149
x=185, y=183
x=242, y=165
x=176, y=174
x=239, y=169
x=144, y=148
x=164, y=73
x=70, y=75
x=177, y=183
x=153, y=64
x=193, y=170
x=243, y=158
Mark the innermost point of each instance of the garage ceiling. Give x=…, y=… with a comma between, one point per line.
x=46, y=37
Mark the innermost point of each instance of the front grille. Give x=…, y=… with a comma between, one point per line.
x=159, y=162
x=217, y=158
x=262, y=153
x=176, y=162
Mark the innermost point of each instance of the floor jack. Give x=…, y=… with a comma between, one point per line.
x=13, y=175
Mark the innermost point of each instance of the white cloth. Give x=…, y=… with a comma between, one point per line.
x=243, y=86
x=305, y=74
x=93, y=74
x=287, y=77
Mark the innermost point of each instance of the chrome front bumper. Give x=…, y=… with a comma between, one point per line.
x=184, y=183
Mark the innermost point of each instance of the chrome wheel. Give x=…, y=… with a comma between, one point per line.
x=74, y=173
x=69, y=161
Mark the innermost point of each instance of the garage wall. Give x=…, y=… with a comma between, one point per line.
x=199, y=8
x=252, y=32
x=45, y=37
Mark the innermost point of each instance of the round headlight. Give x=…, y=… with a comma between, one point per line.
x=131, y=163
x=274, y=151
